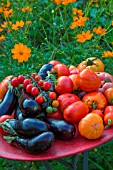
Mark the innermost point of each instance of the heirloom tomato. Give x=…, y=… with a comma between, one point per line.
x=73, y=77
x=98, y=112
x=64, y=85
x=108, y=119
x=91, y=126
x=108, y=109
x=4, y=86
x=67, y=99
x=93, y=63
x=88, y=80
x=61, y=69
x=95, y=100
x=109, y=95
x=75, y=112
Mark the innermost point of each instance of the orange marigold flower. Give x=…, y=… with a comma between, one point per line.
x=8, y=4
x=99, y=30
x=19, y=24
x=26, y=9
x=78, y=11
x=4, y=25
x=78, y=22
x=1, y=29
x=84, y=36
x=2, y=37
x=107, y=54
x=28, y=22
x=1, y=10
x=8, y=13
x=21, y=52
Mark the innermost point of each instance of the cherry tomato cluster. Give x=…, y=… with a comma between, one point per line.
x=35, y=86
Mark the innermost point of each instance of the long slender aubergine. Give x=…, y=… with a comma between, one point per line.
x=43, y=70
x=61, y=128
x=37, y=144
x=28, y=106
x=28, y=127
x=18, y=114
x=9, y=102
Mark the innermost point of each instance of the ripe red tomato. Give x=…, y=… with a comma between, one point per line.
x=98, y=112
x=14, y=82
x=74, y=79
x=52, y=95
x=61, y=69
x=108, y=118
x=95, y=100
x=75, y=112
x=66, y=99
x=56, y=115
x=46, y=85
x=88, y=80
x=26, y=82
x=109, y=95
x=64, y=85
x=34, y=91
x=3, y=119
x=108, y=109
x=21, y=79
x=29, y=87
x=54, y=62
x=39, y=99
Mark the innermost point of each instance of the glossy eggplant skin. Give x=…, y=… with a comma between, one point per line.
x=36, y=144
x=43, y=70
x=30, y=108
x=61, y=128
x=9, y=102
x=28, y=127
x=18, y=114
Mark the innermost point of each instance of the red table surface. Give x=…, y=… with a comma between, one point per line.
x=59, y=149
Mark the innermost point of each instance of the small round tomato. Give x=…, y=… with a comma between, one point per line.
x=75, y=112
x=26, y=82
x=64, y=85
x=21, y=79
x=61, y=69
x=29, y=87
x=52, y=95
x=66, y=99
x=3, y=119
x=49, y=109
x=39, y=99
x=46, y=85
x=34, y=91
x=109, y=95
x=14, y=82
x=55, y=103
x=98, y=112
x=56, y=115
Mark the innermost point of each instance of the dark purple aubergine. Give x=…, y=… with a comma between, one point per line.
x=61, y=128
x=43, y=70
x=37, y=144
x=9, y=102
x=28, y=127
x=18, y=114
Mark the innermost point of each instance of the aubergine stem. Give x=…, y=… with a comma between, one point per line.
x=8, y=128
x=9, y=139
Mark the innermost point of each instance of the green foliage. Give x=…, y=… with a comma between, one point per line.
x=49, y=37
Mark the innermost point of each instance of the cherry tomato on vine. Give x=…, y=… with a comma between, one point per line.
x=26, y=82
x=3, y=119
x=49, y=109
x=14, y=82
x=39, y=99
x=33, y=75
x=52, y=95
x=46, y=85
x=21, y=79
x=34, y=91
x=29, y=87
x=55, y=103
x=56, y=115
x=40, y=83
x=37, y=78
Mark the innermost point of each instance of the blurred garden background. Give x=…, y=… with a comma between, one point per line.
x=33, y=32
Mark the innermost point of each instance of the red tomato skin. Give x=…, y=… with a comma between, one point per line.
x=88, y=80
x=66, y=99
x=56, y=115
x=75, y=112
x=61, y=69
x=98, y=112
x=3, y=119
x=108, y=109
x=54, y=62
x=107, y=117
x=109, y=95
x=64, y=85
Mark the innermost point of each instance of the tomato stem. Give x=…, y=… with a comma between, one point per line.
x=109, y=123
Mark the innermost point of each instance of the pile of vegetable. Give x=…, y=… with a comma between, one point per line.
x=40, y=107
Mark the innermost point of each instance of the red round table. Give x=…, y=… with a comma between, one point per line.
x=60, y=148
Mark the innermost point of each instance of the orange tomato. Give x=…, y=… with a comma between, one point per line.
x=91, y=126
